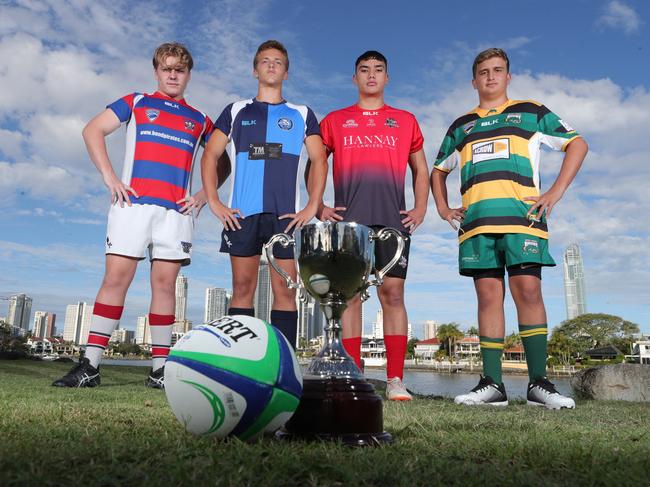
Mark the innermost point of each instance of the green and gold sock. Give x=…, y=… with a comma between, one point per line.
x=534, y=338
x=491, y=351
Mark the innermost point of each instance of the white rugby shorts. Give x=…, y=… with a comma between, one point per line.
x=166, y=234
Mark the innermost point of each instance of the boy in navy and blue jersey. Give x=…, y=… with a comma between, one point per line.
x=264, y=138
x=151, y=206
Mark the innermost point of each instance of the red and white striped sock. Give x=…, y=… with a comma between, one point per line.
x=161, y=338
x=105, y=319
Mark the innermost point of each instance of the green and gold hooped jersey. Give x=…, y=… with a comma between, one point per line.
x=498, y=151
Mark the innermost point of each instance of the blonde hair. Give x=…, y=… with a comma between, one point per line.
x=174, y=49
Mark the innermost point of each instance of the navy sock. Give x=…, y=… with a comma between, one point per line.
x=241, y=311
x=287, y=323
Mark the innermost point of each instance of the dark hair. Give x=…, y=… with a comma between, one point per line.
x=489, y=54
x=271, y=44
x=371, y=55
x=175, y=49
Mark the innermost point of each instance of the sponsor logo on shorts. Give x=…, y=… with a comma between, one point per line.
x=467, y=128
x=470, y=258
x=187, y=246
x=350, y=123
x=108, y=242
x=513, y=118
x=403, y=262
x=189, y=125
x=285, y=123
x=530, y=247
x=392, y=123
x=152, y=114
x=246, y=123
x=227, y=240
x=490, y=150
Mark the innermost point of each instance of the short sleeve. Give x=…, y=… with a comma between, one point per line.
x=447, y=158
x=123, y=107
x=207, y=130
x=417, y=140
x=224, y=122
x=554, y=132
x=311, y=124
x=326, y=133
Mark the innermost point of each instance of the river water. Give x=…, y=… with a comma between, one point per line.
x=430, y=382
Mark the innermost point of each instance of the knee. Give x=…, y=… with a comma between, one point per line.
x=527, y=293
x=163, y=284
x=243, y=285
x=489, y=297
x=116, y=280
x=391, y=297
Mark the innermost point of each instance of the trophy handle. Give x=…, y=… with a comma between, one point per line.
x=384, y=234
x=284, y=240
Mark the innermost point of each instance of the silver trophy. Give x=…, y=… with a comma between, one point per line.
x=335, y=262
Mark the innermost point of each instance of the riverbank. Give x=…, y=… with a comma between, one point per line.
x=124, y=434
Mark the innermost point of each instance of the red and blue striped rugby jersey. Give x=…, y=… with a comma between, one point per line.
x=162, y=138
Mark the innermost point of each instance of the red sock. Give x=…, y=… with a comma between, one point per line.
x=353, y=347
x=395, y=353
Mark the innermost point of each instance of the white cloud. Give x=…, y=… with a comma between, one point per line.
x=619, y=15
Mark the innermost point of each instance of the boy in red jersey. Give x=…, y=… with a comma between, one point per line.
x=372, y=144
x=151, y=206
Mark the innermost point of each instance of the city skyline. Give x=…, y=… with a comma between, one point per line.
x=575, y=293
x=55, y=203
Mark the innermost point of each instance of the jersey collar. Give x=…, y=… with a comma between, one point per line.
x=162, y=96
x=484, y=112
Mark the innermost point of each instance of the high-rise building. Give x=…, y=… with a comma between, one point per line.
x=142, y=331
x=44, y=324
x=122, y=335
x=430, y=329
x=181, y=298
x=20, y=309
x=574, y=282
x=317, y=321
x=409, y=331
x=263, y=293
x=216, y=304
x=378, y=325
x=77, y=323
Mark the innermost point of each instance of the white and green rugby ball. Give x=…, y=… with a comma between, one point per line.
x=236, y=376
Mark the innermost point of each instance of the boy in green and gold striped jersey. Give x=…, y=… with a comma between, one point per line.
x=503, y=218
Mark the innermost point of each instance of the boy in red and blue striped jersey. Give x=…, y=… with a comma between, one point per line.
x=151, y=208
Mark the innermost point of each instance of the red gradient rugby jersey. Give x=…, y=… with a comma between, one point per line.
x=371, y=149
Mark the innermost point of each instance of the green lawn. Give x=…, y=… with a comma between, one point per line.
x=124, y=434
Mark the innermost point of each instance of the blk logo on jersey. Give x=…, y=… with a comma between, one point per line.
x=285, y=123
x=493, y=149
x=152, y=114
x=247, y=123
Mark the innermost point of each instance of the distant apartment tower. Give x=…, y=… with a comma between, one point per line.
x=263, y=293
x=181, y=298
x=122, y=335
x=430, y=329
x=77, y=323
x=44, y=324
x=409, y=331
x=142, y=331
x=574, y=282
x=311, y=319
x=378, y=325
x=216, y=304
x=20, y=309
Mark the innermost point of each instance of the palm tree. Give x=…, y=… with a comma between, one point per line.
x=473, y=331
x=448, y=333
x=512, y=340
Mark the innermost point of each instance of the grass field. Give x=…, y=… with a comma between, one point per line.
x=124, y=434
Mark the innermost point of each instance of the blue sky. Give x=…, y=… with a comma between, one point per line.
x=64, y=61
